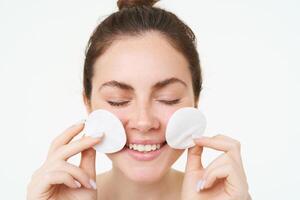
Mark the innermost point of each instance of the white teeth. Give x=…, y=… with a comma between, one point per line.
x=144, y=148
x=140, y=147
x=148, y=147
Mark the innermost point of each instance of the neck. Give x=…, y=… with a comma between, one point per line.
x=122, y=188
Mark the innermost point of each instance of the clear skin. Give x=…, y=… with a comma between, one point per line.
x=143, y=81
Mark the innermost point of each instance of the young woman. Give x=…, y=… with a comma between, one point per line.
x=142, y=65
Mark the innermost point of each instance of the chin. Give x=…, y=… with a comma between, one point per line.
x=146, y=174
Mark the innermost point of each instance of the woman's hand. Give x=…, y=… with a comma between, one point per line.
x=58, y=179
x=223, y=179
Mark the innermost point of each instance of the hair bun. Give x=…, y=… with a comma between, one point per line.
x=131, y=3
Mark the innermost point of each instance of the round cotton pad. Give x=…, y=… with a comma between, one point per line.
x=102, y=121
x=184, y=123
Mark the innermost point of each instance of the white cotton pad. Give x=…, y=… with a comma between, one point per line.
x=103, y=121
x=184, y=123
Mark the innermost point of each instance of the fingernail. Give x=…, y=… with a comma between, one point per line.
x=200, y=185
x=80, y=122
x=78, y=184
x=93, y=184
x=194, y=136
x=100, y=135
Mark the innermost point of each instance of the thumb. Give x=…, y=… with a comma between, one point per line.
x=194, y=161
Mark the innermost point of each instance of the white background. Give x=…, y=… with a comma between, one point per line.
x=250, y=57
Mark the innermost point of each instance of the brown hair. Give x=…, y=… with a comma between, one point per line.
x=134, y=18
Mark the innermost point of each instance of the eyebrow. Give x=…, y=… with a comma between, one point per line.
x=156, y=86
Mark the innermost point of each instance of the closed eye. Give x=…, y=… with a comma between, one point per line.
x=123, y=103
x=170, y=102
x=119, y=103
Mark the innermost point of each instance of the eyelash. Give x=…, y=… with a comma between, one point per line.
x=172, y=102
x=123, y=103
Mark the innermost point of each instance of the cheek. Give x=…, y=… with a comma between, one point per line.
x=164, y=113
x=122, y=114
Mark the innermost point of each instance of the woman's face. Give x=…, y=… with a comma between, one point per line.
x=143, y=81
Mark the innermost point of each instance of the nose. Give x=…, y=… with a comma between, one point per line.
x=143, y=120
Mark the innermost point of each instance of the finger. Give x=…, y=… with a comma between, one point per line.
x=226, y=172
x=224, y=161
x=220, y=161
x=67, y=151
x=221, y=143
x=66, y=136
x=55, y=178
x=194, y=158
x=88, y=162
x=77, y=173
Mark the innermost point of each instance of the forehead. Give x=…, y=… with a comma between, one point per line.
x=141, y=60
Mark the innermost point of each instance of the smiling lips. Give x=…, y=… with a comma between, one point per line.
x=145, y=150
x=145, y=145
